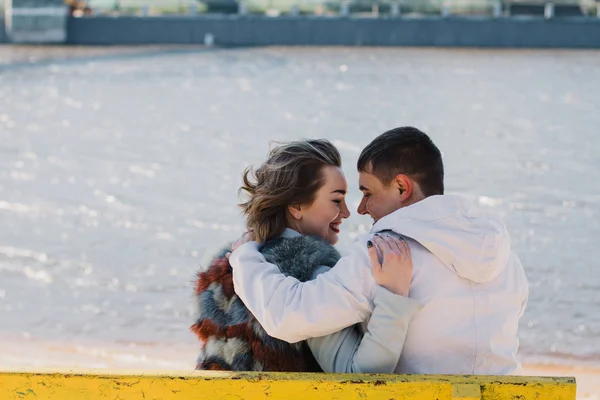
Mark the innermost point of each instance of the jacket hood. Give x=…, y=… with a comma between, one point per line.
x=472, y=243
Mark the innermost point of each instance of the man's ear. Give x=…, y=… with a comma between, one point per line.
x=404, y=186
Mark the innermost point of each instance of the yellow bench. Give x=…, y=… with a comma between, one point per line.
x=212, y=385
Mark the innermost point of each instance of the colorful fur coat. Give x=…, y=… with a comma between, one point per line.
x=231, y=338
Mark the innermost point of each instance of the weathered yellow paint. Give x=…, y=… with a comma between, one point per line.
x=98, y=384
x=466, y=391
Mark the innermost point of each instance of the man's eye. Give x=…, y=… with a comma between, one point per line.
x=337, y=201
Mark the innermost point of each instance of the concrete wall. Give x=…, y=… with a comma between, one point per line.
x=255, y=31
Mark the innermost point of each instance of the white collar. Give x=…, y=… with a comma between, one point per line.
x=289, y=233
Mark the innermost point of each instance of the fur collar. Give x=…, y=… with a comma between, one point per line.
x=299, y=256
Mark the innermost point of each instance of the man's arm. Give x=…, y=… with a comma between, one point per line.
x=291, y=310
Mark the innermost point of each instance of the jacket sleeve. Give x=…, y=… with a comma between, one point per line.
x=525, y=298
x=291, y=310
x=378, y=350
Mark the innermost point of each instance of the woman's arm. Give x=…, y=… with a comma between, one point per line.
x=293, y=311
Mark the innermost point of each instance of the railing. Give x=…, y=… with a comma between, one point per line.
x=330, y=7
x=275, y=8
x=211, y=385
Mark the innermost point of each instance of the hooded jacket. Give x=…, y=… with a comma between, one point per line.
x=472, y=285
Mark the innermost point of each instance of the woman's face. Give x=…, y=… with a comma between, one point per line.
x=324, y=216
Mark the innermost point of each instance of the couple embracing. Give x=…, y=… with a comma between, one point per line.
x=434, y=288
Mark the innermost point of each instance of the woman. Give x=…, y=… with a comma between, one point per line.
x=295, y=208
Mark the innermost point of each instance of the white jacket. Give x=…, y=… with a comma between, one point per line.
x=376, y=347
x=473, y=287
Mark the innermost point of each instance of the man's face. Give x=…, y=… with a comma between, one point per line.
x=378, y=199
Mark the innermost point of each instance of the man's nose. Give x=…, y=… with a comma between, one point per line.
x=362, y=207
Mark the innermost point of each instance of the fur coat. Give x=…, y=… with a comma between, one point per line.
x=231, y=338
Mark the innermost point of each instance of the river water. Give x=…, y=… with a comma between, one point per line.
x=119, y=171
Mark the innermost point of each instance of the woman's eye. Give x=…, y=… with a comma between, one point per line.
x=337, y=201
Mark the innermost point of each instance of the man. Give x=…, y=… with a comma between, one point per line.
x=473, y=288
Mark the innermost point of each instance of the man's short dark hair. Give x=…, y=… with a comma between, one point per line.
x=407, y=151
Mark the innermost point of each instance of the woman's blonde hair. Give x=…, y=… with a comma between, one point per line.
x=292, y=175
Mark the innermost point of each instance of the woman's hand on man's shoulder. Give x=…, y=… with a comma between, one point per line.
x=394, y=272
